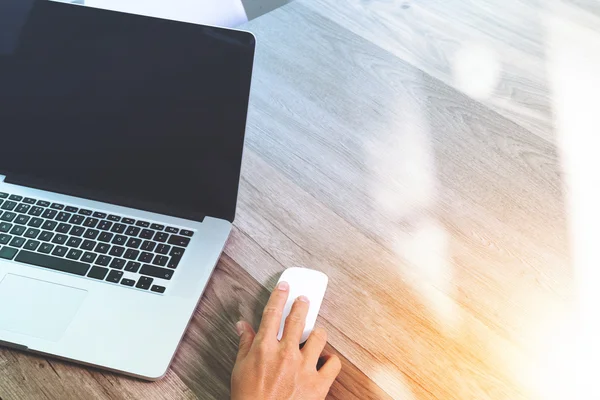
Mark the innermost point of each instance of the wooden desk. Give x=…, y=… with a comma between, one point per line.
x=408, y=150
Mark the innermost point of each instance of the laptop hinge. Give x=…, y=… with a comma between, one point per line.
x=2, y=178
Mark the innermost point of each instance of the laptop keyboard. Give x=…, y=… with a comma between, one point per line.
x=115, y=249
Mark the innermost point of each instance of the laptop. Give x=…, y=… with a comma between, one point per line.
x=121, y=141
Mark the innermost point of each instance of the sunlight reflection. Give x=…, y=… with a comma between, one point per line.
x=392, y=382
x=476, y=70
x=574, y=71
x=405, y=161
x=425, y=252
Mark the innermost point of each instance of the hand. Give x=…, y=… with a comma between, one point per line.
x=268, y=369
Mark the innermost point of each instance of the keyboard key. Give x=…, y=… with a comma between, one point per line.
x=63, y=216
x=49, y=213
x=104, y=225
x=22, y=219
x=32, y=233
x=120, y=240
x=170, y=229
x=134, y=243
x=132, y=266
x=102, y=248
x=85, y=212
x=58, y=264
x=8, y=253
x=49, y=225
x=17, y=242
x=74, y=242
x=63, y=228
x=74, y=254
x=88, y=245
x=128, y=221
x=103, y=260
x=127, y=282
x=99, y=215
x=174, y=262
x=8, y=216
x=9, y=205
x=143, y=224
x=117, y=263
x=131, y=254
x=29, y=200
x=163, y=249
x=177, y=252
x=35, y=222
x=146, y=234
x=5, y=227
x=3, y=195
x=144, y=283
x=148, y=245
x=60, y=239
x=46, y=248
x=46, y=236
x=158, y=289
x=157, y=227
x=90, y=222
x=4, y=238
x=114, y=218
x=160, y=260
x=156, y=272
x=114, y=276
x=186, y=233
x=43, y=203
x=18, y=230
x=31, y=245
x=105, y=237
x=98, y=273
x=57, y=206
x=88, y=257
x=179, y=241
x=60, y=251
x=71, y=209
x=36, y=211
x=15, y=197
x=91, y=234
x=146, y=257
x=23, y=208
x=77, y=231
x=77, y=219
x=117, y=251
x=161, y=237
x=132, y=231
x=118, y=228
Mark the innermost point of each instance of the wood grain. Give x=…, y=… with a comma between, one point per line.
x=433, y=200
x=233, y=295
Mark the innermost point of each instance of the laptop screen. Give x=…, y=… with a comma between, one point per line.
x=136, y=111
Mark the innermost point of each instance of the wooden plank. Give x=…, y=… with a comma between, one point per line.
x=206, y=357
x=372, y=165
x=466, y=42
x=28, y=376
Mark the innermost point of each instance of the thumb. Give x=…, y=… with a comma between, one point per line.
x=246, y=334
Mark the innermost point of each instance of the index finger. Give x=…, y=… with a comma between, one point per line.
x=271, y=317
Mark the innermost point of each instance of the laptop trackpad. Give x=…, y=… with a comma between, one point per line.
x=37, y=308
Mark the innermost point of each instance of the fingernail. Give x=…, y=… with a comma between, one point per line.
x=303, y=299
x=283, y=286
x=239, y=327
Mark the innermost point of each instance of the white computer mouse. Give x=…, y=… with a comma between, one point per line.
x=304, y=282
